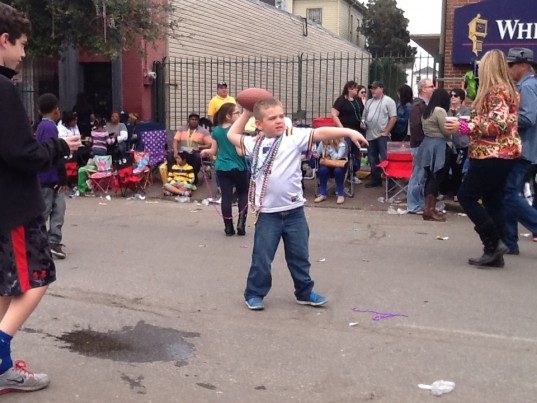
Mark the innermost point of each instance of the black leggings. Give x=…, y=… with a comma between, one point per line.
x=434, y=179
x=229, y=180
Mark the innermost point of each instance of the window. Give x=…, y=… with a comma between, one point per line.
x=315, y=15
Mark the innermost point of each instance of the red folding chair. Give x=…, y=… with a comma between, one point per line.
x=71, y=168
x=103, y=179
x=397, y=168
x=127, y=180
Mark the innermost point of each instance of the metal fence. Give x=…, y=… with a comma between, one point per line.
x=37, y=77
x=307, y=85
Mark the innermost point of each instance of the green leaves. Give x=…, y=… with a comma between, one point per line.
x=385, y=28
x=105, y=27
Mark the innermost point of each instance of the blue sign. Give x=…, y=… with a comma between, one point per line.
x=493, y=24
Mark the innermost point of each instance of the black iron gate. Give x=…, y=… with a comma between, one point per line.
x=307, y=85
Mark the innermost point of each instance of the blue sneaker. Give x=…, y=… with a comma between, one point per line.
x=314, y=300
x=255, y=303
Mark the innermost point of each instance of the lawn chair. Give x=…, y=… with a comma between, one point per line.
x=71, y=169
x=128, y=180
x=156, y=142
x=349, y=173
x=397, y=168
x=142, y=168
x=103, y=179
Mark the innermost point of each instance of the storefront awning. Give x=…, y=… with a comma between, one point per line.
x=429, y=42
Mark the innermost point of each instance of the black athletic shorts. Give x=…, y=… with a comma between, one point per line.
x=25, y=258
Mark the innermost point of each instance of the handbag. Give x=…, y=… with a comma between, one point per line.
x=327, y=162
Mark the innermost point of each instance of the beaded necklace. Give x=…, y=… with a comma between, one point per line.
x=189, y=140
x=354, y=104
x=265, y=169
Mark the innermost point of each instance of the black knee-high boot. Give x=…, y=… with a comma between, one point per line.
x=229, y=230
x=493, y=246
x=241, y=224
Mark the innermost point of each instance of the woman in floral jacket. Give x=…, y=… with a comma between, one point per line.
x=494, y=144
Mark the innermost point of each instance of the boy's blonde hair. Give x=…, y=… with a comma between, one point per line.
x=493, y=71
x=262, y=105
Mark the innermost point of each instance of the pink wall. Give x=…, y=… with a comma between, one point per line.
x=137, y=91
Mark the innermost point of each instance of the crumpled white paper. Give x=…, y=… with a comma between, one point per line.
x=438, y=388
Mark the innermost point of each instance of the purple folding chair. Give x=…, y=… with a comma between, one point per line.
x=155, y=141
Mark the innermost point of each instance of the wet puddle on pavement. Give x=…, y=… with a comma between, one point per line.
x=141, y=343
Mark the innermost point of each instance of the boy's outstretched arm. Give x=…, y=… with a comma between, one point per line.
x=236, y=131
x=328, y=133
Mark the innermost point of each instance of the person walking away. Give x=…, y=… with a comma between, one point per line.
x=494, y=145
x=231, y=170
x=517, y=209
x=26, y=264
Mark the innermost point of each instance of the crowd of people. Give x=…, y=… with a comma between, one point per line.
x=494, y=140
x=481, y=153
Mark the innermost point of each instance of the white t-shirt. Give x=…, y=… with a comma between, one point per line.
x=284, y=189
x=67, y=131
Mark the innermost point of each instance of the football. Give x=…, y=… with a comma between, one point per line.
x=248, y=97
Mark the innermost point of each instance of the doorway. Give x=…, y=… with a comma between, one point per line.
x=98, y=87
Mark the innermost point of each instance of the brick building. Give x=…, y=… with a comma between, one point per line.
x=473, y=27
x=452, y=73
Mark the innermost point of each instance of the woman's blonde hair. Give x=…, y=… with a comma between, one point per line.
x=334, y=143
x=493, y=70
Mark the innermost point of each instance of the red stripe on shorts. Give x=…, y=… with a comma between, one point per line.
x=18, y=236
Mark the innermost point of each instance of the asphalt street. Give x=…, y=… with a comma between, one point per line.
x=148, y=307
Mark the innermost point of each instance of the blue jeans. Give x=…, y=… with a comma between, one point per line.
x=376, y=153
x=415, y=196
x=517, y=209
x=339, y=176
x=292, y=227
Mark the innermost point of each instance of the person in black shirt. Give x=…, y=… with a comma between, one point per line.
x=26, y=265
x=347, y=112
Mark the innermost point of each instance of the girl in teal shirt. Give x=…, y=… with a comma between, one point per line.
x=231, y=169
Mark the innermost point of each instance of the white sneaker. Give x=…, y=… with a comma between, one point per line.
x=20, y=379
x=356, y=180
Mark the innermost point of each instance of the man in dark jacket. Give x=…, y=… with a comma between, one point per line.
x=26, y=265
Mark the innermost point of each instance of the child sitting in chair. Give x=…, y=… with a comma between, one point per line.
x=180, y=177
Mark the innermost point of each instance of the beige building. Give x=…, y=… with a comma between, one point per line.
x=251, y=43
x=343, y=17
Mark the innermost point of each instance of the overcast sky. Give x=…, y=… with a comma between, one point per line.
x=423, y=15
